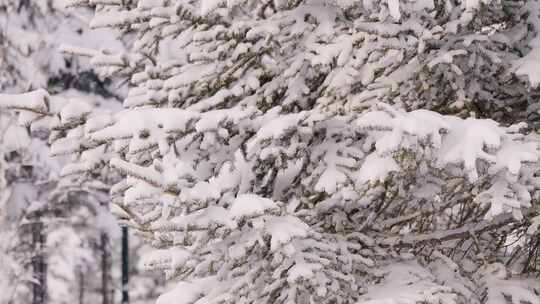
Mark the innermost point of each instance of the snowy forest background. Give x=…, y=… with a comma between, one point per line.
x=57, y=234
x=270, y=151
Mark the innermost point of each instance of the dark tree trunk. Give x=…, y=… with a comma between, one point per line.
x=105, y=282
x=125, y=266
x=81, y=286
x=39, y=265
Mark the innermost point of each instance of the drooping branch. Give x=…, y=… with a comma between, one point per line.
x=438, y=237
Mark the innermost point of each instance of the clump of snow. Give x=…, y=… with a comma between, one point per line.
x=376, y=168
x=251, y=205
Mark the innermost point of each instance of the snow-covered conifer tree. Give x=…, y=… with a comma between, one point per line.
x=23, y=243
x=77, y=231
x=291, y=152
x=30, y=34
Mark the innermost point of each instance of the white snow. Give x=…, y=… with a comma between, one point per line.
x=251, y=205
